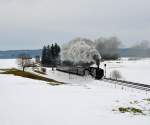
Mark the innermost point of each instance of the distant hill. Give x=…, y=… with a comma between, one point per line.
x=134, y=52
x=12, y=54
x=124, y=52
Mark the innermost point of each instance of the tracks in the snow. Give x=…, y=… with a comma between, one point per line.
x=129, y=84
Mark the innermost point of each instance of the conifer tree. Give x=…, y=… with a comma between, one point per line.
x=43, y=55
x=51, y=55
x=48, y=55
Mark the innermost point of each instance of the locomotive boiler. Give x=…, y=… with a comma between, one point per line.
x=95, y=72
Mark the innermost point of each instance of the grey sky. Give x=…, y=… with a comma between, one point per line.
x=27, y=24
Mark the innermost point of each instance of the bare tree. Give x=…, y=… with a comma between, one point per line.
x=24, y=61
x=116, y=74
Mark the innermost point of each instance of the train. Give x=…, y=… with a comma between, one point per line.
x=95, y=72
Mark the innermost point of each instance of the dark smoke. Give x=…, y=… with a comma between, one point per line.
x=108, y=47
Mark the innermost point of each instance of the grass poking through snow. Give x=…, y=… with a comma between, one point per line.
x=39, y=72
x=130, y=109
x=17, y=72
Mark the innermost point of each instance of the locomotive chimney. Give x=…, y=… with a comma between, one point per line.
x=97, y=60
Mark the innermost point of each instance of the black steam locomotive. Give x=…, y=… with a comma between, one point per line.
x=95, y=72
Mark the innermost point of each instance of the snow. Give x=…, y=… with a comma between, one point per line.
x=8, y=63
x=83, y=101
x=133, y=70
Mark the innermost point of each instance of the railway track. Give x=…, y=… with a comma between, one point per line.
x=129, y=84
x=81, y=72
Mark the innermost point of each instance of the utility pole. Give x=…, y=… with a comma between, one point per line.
x=105, y=70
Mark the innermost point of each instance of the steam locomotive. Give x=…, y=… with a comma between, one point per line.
x=95, y=72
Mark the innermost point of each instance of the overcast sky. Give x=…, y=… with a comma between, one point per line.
x=29, y=24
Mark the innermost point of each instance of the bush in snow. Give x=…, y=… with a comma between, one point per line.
x=43, y=70
x=116, y=74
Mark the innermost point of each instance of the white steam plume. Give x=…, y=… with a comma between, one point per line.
x=79, y=50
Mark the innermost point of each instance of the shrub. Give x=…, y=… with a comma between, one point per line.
x=43, y=70
x=116, y=74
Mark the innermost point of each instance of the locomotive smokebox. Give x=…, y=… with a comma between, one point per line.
x=99, y=73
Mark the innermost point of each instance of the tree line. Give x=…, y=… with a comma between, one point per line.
x=50, y=57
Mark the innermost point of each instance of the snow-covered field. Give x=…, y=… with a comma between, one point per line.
x=83, y=101
x=8, y=63
x=132, y=70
